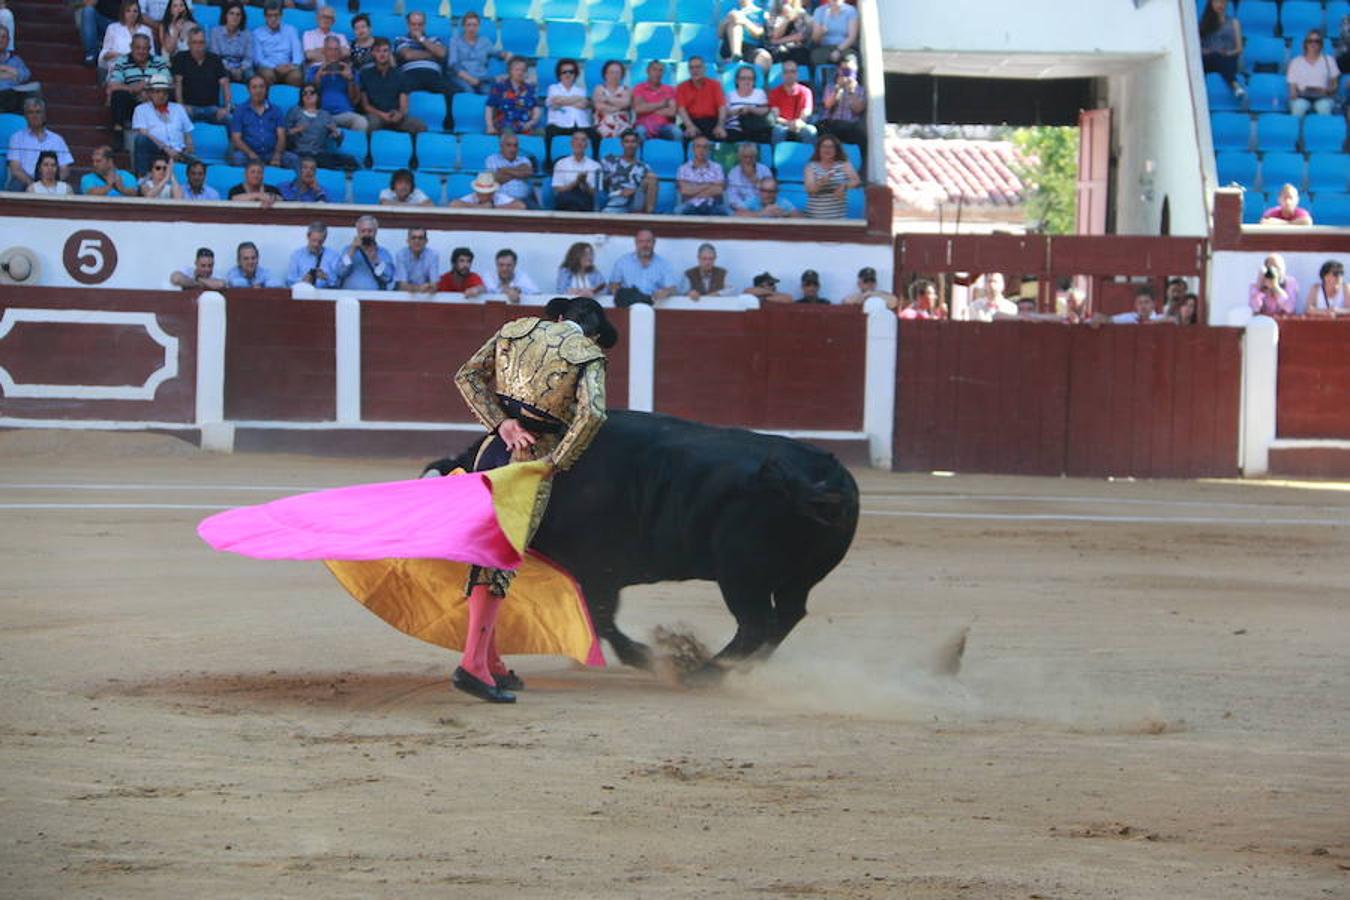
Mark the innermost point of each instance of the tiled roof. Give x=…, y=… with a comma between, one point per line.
x=925, y=172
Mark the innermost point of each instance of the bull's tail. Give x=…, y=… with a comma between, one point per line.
x=827, y=494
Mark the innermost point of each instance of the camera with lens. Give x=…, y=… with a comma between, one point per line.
x=1270, y=272
x=367, y=240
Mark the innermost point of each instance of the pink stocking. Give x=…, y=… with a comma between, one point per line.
x=483, y=608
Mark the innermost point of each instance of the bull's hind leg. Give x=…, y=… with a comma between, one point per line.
x=603, y=601
x=789, y=606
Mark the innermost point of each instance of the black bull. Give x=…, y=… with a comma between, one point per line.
x=657, y=498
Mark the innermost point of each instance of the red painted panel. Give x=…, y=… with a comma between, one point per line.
x=790, y=367
x=1313, y=384
x=280, y=358
x=412, y=381
x=101, y=355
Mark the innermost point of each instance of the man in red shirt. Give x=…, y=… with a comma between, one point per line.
x=461, y=278
x=793, y=102
x=700, y=104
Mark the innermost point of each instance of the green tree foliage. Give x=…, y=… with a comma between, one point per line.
x=1050, y=173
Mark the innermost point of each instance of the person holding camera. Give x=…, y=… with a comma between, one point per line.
x=575, y=177
x=365, y=265
x=1274, y=292
x=844, y=105
x=313, y=263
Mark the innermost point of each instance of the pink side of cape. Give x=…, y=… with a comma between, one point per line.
x=425, y=518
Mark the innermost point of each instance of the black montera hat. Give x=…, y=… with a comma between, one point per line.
x=587, y=313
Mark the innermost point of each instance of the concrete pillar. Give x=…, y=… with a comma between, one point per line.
x=217, y=434
x=1260, y=368
x=879, y=387
x=641, y=357
x=347, y=327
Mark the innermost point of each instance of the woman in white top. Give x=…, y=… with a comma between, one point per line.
x=747, y=109
x=117, y=39
x=569, y=109
x=174, y=28
x=159, y=183
x=45, y=179
x=1330, y=296
x=613, y=101
x=402, y=191
x=1312, y=78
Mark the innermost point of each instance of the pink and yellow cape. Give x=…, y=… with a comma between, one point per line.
x=404, y=548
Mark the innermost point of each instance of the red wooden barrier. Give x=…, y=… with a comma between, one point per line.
x=1045, y=399
x=783, y=367
x=1313, y=384
x=98, y=354
x=280, y=357
x=410, y=352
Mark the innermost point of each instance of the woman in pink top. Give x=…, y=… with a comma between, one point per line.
x=1287, y=212
x=1274, y=291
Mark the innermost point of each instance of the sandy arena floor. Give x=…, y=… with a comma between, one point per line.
x=1152, y=703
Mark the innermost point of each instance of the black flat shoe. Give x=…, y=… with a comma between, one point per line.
x=470, y=684
x=510, y=681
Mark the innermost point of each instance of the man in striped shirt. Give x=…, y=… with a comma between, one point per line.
x=130, y=77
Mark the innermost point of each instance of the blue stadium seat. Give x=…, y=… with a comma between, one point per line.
x=664, y=157
x=222, y=178
x=474, y=149
x=565, y=39
x=695, y=12
x=430, y=8
x=1297, y=18
x=513, y=9
x=1253, y=204
x=698, y=40
x=1267, y=92
x=1280, y=168
x=366, y=186
x=1331, y=209
x=793, y=193
x=1276, y=131
x=210, y=142
x=1263, y=53
x=427, y=106
x=277, y=175
x=299, y=19
x=284, y=96
x=238, y=93
x=457, y=186
x=334, y=182
x=857, y=204
x=560, y=146
x=560, y=9
x=853, y=153
x=774, y=77
x=1335, y=11
x=430, y=184
x=468, y=109
x=487, y=28
x=1323, y=133
x=532, y=146
x=605, y=10
x=653, y=40
x=790, y=159
x=520, y=37
x=388, y=25
x=610, y=146
x=651, y=11
x=437, y=152
x=1232, y=130
x=1328, y=172
x=1258, y=17
x=390, y=150
x=610, y=41
x=1233, y=166
x=355, y=143
x=1219, y=95
x=667, y=195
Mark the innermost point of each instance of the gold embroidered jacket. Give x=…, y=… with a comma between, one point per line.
x=549, y=365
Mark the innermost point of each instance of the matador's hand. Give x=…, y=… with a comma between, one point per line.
x=515, y=435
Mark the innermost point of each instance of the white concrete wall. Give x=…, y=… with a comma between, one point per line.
x=1232, y=274
x=148, y=251
x=1142, y=52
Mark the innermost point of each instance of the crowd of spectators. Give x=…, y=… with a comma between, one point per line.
x=169, y=66
x=639, y=276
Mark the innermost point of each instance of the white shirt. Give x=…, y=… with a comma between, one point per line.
x=520, y=281
x=314, y=38
x=169, y=128
x=568, y=116
x=1132, y=318
x=565, y=171
x=499, y=198
x=117, y=39
x=58, y=189
x=1303, y=74
x=986, y=309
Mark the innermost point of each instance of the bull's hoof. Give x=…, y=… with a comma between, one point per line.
x=634, y=654
x=708, y=675
x=470, y=684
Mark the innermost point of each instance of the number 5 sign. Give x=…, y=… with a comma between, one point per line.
x=90, y=257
